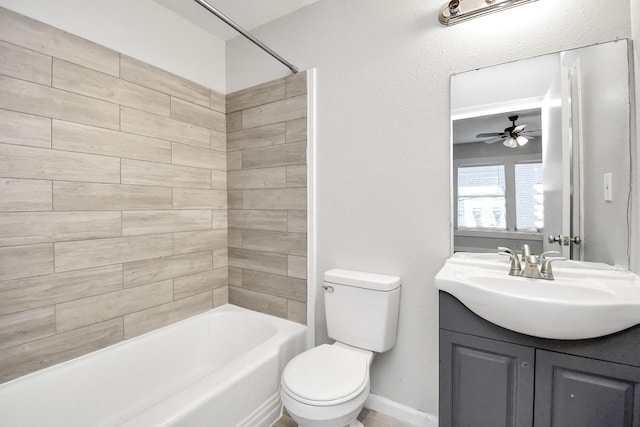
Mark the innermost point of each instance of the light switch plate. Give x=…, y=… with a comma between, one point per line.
x=608, y=192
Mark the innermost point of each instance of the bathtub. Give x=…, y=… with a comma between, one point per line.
x=219, y=369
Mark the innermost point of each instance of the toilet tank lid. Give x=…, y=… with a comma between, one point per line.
x=359, y=279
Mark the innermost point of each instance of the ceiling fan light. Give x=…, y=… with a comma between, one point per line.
x=521, y=140
x=510, y=142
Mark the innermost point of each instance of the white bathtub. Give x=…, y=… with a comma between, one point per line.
x=220, y=369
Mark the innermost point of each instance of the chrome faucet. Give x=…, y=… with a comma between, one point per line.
x=534, y=267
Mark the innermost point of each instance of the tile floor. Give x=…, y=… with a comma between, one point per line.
x=367, y=417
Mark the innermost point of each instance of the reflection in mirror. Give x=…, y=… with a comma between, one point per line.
x=541, y=155
x=498, y=186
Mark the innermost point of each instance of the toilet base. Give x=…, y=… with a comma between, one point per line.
x=342, y=415
x=355, y=423
x=337, y=422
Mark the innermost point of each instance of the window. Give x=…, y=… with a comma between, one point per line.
x=481, y=197
x=502, y=197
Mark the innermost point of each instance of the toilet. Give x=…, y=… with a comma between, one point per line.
x=327, y=385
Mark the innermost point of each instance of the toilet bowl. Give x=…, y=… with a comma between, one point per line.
x=327, y=385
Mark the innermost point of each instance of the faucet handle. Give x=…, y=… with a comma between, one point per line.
x=546, y=271
x=543, y=255
x=515, y=269
x=505, y=251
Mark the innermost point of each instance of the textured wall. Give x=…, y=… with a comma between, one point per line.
x=382, y=138
x=267, y=180
x=113, y=204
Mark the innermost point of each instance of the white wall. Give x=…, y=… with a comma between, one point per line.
x=635, y=128
x=142, y=29
x=383, y=161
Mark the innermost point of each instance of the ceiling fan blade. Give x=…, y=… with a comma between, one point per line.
x=496, y=139
x=519, y=128
x=489, y=135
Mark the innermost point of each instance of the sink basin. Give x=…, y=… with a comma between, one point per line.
x=586, y=300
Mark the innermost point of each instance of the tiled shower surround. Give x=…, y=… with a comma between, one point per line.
x=114, y=203
x=267, y=182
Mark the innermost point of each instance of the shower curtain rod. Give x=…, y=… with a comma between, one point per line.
x=245, y=33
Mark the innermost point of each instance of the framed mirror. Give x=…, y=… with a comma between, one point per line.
x=541, y=155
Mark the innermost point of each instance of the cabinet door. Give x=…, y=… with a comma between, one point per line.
x=574, y=391
x=484, y=382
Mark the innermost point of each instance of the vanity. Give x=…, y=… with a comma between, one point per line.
x=547, y=351
x=541, y=159
x=493, y=377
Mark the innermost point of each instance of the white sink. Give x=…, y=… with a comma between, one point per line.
x=586, y=300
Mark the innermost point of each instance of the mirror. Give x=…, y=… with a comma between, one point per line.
x=542, y=155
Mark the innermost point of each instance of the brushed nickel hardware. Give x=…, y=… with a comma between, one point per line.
x=565, y=240
x=534, y=267
x=555, y=239
x=544, y=255
x=457, y=11
x=545, y=269
x=516, y=267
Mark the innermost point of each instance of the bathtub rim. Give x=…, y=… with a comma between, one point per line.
x=230, y=308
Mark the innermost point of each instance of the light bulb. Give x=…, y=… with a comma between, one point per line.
x=510, y=142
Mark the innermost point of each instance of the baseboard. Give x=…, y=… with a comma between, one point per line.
x=400, y=412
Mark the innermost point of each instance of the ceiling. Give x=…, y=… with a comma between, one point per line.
x=465, y=130
x=249, y=14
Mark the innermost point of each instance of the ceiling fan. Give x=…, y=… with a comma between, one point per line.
x=511, y=136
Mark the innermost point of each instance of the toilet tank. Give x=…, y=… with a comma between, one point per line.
x=362, y=308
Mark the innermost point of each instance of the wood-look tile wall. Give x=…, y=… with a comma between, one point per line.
x=113, y=197
x=267, y=193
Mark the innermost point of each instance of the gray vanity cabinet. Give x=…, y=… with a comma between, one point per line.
x=577, y=391
x=493, y=377
x=488, y=382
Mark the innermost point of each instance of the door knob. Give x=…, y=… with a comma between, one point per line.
x=555, y=239
x=565, y=240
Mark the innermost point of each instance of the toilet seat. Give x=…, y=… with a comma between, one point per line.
x=326, y=375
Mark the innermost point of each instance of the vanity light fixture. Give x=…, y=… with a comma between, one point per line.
x=457, y=11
